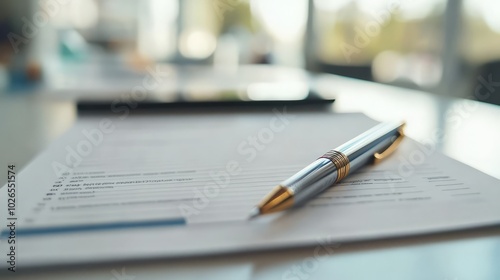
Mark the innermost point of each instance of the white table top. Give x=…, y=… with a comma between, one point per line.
x=31, y=121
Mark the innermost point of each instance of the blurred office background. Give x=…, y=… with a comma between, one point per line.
x=446, y=47
x=55, y=51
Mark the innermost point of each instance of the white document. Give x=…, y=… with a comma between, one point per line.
x=182, y=185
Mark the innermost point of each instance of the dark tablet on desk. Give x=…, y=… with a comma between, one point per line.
x=257, y=95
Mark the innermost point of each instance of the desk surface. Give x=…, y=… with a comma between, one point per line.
x=467, y=133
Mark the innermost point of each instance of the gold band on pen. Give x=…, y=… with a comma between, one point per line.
x=340, y=161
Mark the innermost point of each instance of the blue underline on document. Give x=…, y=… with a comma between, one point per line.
x=94, y=227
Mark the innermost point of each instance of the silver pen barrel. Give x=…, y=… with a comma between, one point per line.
x=313, y=179
x=338, y=163
x=373, y=145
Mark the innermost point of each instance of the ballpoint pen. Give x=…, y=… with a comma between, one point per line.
x=371, y=146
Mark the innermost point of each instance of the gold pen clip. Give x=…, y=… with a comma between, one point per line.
x=378, y=157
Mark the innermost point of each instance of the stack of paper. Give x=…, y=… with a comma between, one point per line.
x=182, y=185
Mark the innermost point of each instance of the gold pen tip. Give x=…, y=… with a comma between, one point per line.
x=254, y=213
